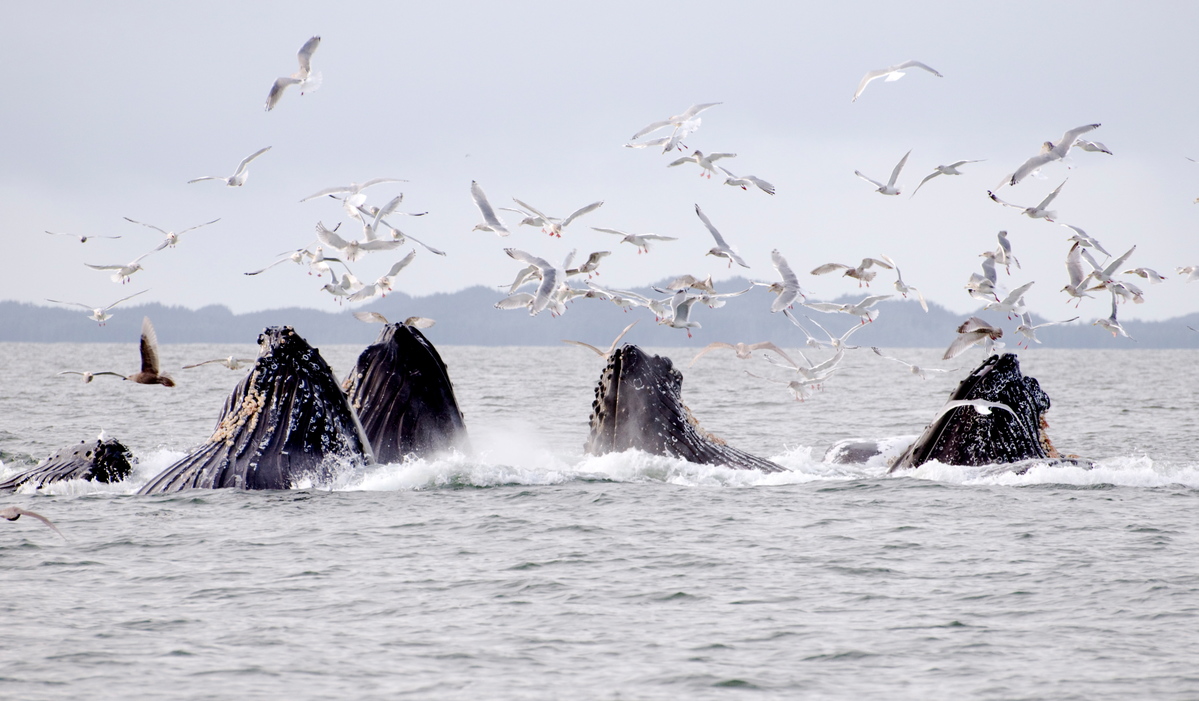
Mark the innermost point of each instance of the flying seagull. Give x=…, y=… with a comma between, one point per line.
x=892, y=73
x=305, y=78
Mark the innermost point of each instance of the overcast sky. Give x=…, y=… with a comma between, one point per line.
x=109, y=110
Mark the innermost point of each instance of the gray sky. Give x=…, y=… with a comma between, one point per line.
x=110, y=109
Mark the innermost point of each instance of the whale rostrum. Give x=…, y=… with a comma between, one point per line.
x=403, y=396
x=287, y=421
x=638, y=404
x=102, y=460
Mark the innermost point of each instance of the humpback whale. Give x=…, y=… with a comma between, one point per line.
x=968, y=433
x=102, y=460
x=638, y=404
x=402, y=394
x=287, y=420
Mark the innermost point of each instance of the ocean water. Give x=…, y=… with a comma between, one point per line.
x=528, y=570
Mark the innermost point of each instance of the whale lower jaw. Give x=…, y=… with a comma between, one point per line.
x=102, y=460
x=287, y=422
x=638, y=405
x=963, y=436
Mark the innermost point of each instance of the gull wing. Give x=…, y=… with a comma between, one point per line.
x=329, y=238
x=241, y=167
x=715, y=234
x=305, y=54
x=488, y=213
x=580, y=212
x=1030, y=165
x=934, y=174
x=277, y=88
x=869, y=180
x=917, y=64
x=898, y=167
x=1049, y=198
x=401, y=264
x=149, y=347
x=830, y=267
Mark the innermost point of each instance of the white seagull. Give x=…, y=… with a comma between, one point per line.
x=123, y=272
x=889, y=188
x=89, y=376
x=231, y=362
x=99, y=314
x=641, y=241
x=305, y=78
x=239, y=176
x=892, y=73
x=611, y=349
x=861, y=273
x=490, y=221
x=971, y=332
x=12, y=513
x=900, y=286
x=352, y=190
x=1111, y=324
x=706, y=163
x=721, y=249
x=82, y=237
x=951, y=169
x=861, y=309
x=744, y=181
x=552, y=278
x=1049, y=152
x=1040, y=211
x=914, y=369
x=787, y=289
x=353, y=250
x=677, y=121
x=553, y=226
x=171, y=237
x=1029, y=331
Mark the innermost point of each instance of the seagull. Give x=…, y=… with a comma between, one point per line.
x=348, y=285
x=1049, y=152
x=971, y=332
x=900, y=286
x=305, y=78
x=1029, y=331
x=889, y=188
x=892, y=73
x=490, y=221
x=351, y=190
x=1111, y=324
x=172, y=238
x=82, y=237
x=1003, y=255
x=707, y=167
x=744, y=351
x=149, y=374
x=982, y=406
x=1038, y=212
x=787, y=289
x=123, y=272
x=861, y=309
x=554, y=227
x=12, y=513
x=1092, y=146
x=914, y=369
x=1076, y=288
x=376, y=215
x=320, y=263
x=384, y=284
x=1191, y=271
x=860, y=273
x=744, y=181
x=799, y=388
x=1105, y=273
x=552, y=278
x=239, y=176
x=812, y=341
x=89, y=376
x=611, y=349
x=641, y=241
x=591, y=265
x=1013, y=303
x=99, y=314
x=951, y=169
x=1149, y=274
x=683, y=282
x=297, y=256
x=721, y=249
x=677, y=121
x=353, y=250
x=416, y=322
x=681, y=318
x=1089, y=241
x=231, y=362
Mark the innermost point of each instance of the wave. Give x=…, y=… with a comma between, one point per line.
x=540, y=467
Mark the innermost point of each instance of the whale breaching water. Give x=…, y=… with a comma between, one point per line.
x=402, y=394
x=970, y=431
x=288, y=420
x=102, y=460
x=638, y=404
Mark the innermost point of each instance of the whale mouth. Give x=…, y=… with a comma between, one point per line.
x=964, y=436
x=286, y=421
x=638, y=405
x=401, y=391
